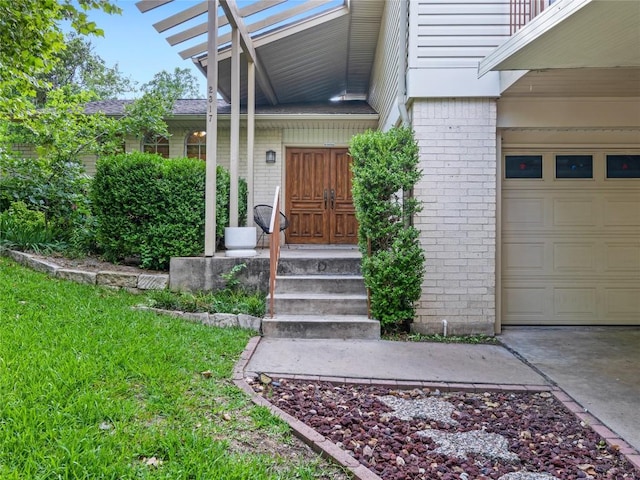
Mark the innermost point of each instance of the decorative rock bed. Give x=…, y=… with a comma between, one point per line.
x=426, y=434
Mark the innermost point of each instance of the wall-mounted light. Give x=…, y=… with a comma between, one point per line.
x=271, y=156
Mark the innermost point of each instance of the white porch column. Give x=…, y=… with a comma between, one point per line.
x=251, y=110
x=235, y=127
x=212, y=129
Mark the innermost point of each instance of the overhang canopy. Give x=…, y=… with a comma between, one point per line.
x=573, y=34
x=310, y=51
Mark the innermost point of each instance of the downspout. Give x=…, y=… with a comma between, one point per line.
x=402, y=83
x=402, y=63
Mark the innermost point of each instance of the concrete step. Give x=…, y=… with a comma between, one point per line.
x=343, y=284
x=321, y=326
x=319, y=266
x=320, y=304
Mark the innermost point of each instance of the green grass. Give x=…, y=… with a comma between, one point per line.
x=91, y=389
x=419, y=337
x=222, y=301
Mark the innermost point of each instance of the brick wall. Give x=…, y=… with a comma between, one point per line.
x=457, y=140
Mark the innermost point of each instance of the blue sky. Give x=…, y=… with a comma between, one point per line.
x=139, y=50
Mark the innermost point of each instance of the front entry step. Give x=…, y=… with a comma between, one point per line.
x=321, y=326
x=320, y=304
x=338, y=284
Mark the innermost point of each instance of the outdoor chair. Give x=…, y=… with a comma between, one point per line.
x=262, y=217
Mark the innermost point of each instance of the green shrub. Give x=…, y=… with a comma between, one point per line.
x=384, y=174
x=57, y=188
x=392, y=280
x=124, y=199
x=153, y=208
x=24, y=229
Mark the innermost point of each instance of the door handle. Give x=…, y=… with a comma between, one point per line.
x=333, y=199
x=325, y=199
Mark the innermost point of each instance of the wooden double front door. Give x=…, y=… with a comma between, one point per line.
x=319, y=204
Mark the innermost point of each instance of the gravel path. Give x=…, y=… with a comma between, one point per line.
x=419, y=434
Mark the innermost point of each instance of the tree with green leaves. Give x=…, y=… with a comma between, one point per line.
x=30, y=38
x=80, y=69
x=180, y=83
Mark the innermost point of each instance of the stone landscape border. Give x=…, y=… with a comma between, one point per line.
x=327, y=448
x=133, y=282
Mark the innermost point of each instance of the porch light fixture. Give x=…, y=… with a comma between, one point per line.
x=271, y=156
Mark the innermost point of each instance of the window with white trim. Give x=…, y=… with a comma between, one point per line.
x=156, y=144
x=196, y=145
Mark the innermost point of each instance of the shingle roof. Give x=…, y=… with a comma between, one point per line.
x=199, y=107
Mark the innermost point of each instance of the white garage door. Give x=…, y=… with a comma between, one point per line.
x=570, y=237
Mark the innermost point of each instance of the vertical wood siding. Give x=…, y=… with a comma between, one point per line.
x=455, y=33
x=384, y=78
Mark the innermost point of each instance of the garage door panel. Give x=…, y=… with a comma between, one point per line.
x=570, y=302
x=526, y=302
x=525, y=256
x=574, y=257
x=622, y=302
x=525, y=213
x=622, y=257
x=580, y=212
x=622, y=212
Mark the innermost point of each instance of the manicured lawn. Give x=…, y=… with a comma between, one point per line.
x=90, y=388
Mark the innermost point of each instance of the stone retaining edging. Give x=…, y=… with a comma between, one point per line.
x=133, y=282
x=240, y=320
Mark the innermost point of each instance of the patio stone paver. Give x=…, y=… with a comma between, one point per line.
x=527, y=476
x=488, y=445
x=425, y=408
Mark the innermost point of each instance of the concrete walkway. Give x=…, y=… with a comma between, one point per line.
x=383, y=360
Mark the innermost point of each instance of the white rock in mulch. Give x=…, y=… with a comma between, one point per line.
x=489, y=445
x=523, y=475
x=424, y=408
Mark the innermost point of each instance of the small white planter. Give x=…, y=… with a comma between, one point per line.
x=240, y=241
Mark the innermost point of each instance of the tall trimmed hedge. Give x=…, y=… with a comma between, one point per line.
x=385, y=170
x=152, y=207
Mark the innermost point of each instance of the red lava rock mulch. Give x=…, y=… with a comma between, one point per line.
x=420, y=434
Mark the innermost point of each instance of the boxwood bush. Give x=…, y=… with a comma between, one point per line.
x=384, y=174
x=153, y=208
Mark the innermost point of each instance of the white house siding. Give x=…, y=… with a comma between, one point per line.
x=266, y=175
x=384, y=78
x=455, y=33
x=24, y=150
x=457, y=141
x=323, y=134
x=447, y=39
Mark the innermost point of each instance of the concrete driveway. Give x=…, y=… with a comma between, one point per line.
x=598, y=366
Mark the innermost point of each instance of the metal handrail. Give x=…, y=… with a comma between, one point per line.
x=274, y=248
